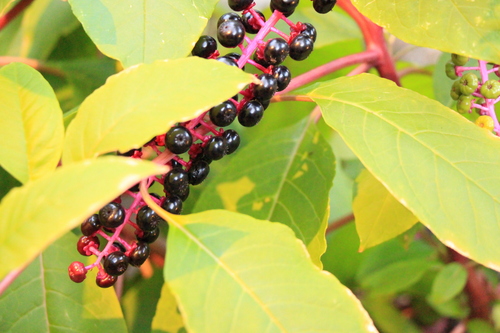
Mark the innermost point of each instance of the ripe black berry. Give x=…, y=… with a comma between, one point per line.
x=178, y=139
x=91, y=225
x=215, y=148
x=172, y=204
x=204, y=47
x=176, y=183
x=276, y=51
x=239, y=5
x=284, y=5
x=282, y=75
x=250, y=23
x=112, y=215
x=149, y=236
x=251, y=113
x=139, y=255
x=147, y=219
x=199, y=171
x=231, y=33
x=266, y=88
x=104, y=280
x=228, y=61
x=116, y=263
x=323, y=6
x=309, y=31
x=232, y=140
x=301, y=47
x=223, y=114
x=228, y=17
x=260, y=61
x=77, y=272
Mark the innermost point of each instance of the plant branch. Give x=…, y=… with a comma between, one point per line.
x=413, y=70
x=339, y=223
x=32, y=63
x=14, y=12
x=7, y=281
x=289, y=98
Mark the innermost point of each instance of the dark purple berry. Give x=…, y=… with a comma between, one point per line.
x=174, y=164
x=260, y=61
x=228, y=17
x=215, y=148
x=239, y=5
x=287, y=7
x=250, y=23
x=199, y=171
x=112, y=215
x=119, y=247
x=176, y=182
x=115, y=263
x=223, y=114
x=282, y=75
x=139, y=255
x=149, y=236
x=231, y=33
x=266, y=88
x=104, y=280
x=276, y=51
x=301, y=47
x=172, y=204
x=309, y=31
x=251, y=113
x=323, y=6
x=91, y=225
x=178, y=139
x=147, y=219
x=232, y=140
x=204, y=47
x=77, y=272
x=228, y=61
x=265, y=104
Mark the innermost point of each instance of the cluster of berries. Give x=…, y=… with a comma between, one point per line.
x=189, y=147
x=473, y=92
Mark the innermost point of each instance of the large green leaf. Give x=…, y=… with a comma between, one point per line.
x=435, y=162
x=31, y=130
x=140, y=31
x=167, y=318
x=448, y=283
x=144, y=101
x=283, y=177
x=233, y=273
x=379, y=216
x=457, y=26
x=44, y=299
x=36, y=214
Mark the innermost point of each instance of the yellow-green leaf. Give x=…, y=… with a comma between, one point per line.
x=379, y=216
x=146, y=100
x=167, y=318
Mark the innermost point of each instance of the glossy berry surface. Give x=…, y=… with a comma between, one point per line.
x=105, y=280
x=230, y=33
x=468, y=83
x=485, y=122
x=112, y=215
x=455, y=92
x=301, y=47
x=490, y=89
x=176, y=182
x=147, y=219
x=309, y=31
x=283, y=77
x=250, y=23
x=91, y=225
x=450, y=70
x=266, y=88
x=149, y=237
x=276, y=51
x=198, y=171
x=77, y=272
x=139, y=255
x=251, y=113
x=239, y=5
x=86, y=242
x=228, y=17
x=284, y=6
x=172, y=204
x=178, y=139
x=459, y=60
x=228, y=61
x=215, y=148
x=464, y=103
x=323, y=6
x=116, y=263
x=223, y=114
x=204, y=47
x=232, y=141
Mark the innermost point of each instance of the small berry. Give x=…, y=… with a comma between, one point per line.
x=115, y=263
x=490, y=89
x=147, y=219
x=118, y=247
x=223, y=114
x=251, y=113
x=77, y=272
x=450, y=70
x=265, y=103
x=250, y=23
x=468, y=83
x=104, y=280
x=282, y=75
x=285, y=13
x=199, y=171
x=112, y=215
x=231, y=33
x=265, y=90
x=172, y=204
x=139, y=255
x=176, y=182
x=309, y=31
x=204, y=47
x=228, y=61
x=178, y=139
x=284, y=6
x=276, y=51
x=239, y=5
x=232, y=141
x=455, y=92
x=228, y=17
x=91, y=225
x=459, y=60
x=485, y=122
x=464, y=103
x=86, y=242
x=149, y=236
x=301, y=47
x=323, y=6
x=215, y=148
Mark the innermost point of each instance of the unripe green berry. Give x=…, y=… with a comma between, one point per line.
x=490, y=89
x=468, y=83
x=450, y=70
x=464, y=103
x=459, y=60
x=455, y=90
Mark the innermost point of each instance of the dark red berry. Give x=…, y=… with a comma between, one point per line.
x=301, y=47
x=204, y=47
x=178, y=139
x=91, y=225
x=85, y=243
x=172, y=204
x=149, y=236
x=139, y=255
x=215, y=148
x=251, y=113
x=77, y=272
x=176, y=182
x=198, y=171
x=223, y=114
x=115, y=263
x=309, y=31
x=323, y=6
x=231, y=33
x=105, y=280
x=232, y=140
x=250, y=23
x=276, y=51
x=282, y=75
x=147, y=219
x=112, y=215
x=239, y=5
x=266, y=88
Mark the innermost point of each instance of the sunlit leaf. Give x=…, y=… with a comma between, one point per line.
x=167, y=318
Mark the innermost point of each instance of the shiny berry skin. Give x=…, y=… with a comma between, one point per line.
x=112, y=215
x=464, y=103
x=178, y=139
x=468, y=83
x=301, y=47
x=250, y=23
x=266, y=88
x=459, y=60
x=91, y=225
x=115, y=263
x=485, y=122
x=284, y=6
x=149, y=236
x=228, y=17
x=232, y=141
x=172, y=204
x=231, y=33
x=104, y=280
x=490, y=89
x=309, y=31
x=118, y=247
x=215, y=148
x=85, y=242
x=139, y=255
x=251, y=113
x=228, y=61
x=450, y=70
x=286, y=14
x=77, y=272
x=147, y=219
x=283, y=77
x=239, y=5
x=455, y=92
x=276, y=51
x=204, y=47
x=323, y=6
x=198, y=171
x=176, y=182
x=223, y=114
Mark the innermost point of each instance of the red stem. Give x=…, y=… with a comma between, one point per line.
x=12, y=14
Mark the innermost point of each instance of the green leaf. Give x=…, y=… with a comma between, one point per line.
x=283, y=177
x=44, y=299
x=385, y=315
x=36, y=214
x=379, y=216
x=7, y=182
x=436, y=163
x=233, y=273
x=167, y=318
x=31, y=130
x=146, y=100
x=140, y=31
x=448, y=283
x=479, y=326
x=468, y=28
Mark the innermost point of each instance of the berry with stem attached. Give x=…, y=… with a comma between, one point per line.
x=464, y=103
x=468, y=83
x=172, y=204
x=147, y=219
x=450, y=70
x=231, y=33
x=91, y=225
x=112, y=215
x=77, y=272
x=485, y=122
x=228, y=17
x=251, y=113
x=178, y=139
x=232, y=141
x=276, y=51
x=265, y=90
x=85, y=243
x=115, y=263
x=239, y=5
x=490, y=89
x=215, y=148
x=301, y=47
x=309, y=31
x=139, y=254
x=459, y=60
x=250, y=23
x=176, y=182
x=323, y=6
x=455, y=92
x=282, y=75
x=284, y=6
x=105, y=280
x=204, y=47
x=198, y=171
x=149, y=236
x=223, y=114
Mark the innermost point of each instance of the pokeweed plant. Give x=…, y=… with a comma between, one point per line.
x=118, y=115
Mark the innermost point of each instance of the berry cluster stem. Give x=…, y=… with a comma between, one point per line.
x=490, y=103
x=14, y=12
